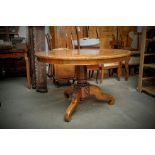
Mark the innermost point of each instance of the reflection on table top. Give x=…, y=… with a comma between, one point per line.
x=87, y=42
x=84, y=54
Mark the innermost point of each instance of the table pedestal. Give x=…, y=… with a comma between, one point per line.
x=83, y=90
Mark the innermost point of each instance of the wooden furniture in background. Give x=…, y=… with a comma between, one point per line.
x=60, y=73
x=8, y=32
x=81, y=58
x=49, y=43
x=122, y=39
x=62, y=37
x=134, y=61
x=119, y=34
x=133, y=45
x=88, y=43
x=128, y=38
x=145, y=83
x=63, y=72
x=7, y=54
x=110, y=37
x=106, y=42
x=10, y=40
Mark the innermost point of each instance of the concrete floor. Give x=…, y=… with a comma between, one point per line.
x=24, y=108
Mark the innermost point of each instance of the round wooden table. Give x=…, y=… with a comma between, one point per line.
x=81, y=58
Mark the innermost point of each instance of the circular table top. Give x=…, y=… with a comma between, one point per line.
x=83, y=56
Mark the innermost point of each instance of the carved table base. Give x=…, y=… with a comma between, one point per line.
x=83, y=90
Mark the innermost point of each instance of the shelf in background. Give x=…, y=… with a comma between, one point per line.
x=149, y=89
x=150, y=39
x=148, y=78
x=152, y=65
x=149, y=54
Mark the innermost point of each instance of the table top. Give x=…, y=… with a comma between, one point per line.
x=82, y=56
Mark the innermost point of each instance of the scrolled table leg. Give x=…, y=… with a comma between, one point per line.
x=72, y=107
x=100, y=95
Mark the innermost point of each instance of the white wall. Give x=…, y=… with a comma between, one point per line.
x=22, y=31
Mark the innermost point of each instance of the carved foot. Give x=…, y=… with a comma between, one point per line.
x=72, y=107
x=101, y=96
x=68, y=91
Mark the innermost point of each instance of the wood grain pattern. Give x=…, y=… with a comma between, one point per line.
x=100, y=95
x=72, y=107
x=83, y=56
x=62, y=37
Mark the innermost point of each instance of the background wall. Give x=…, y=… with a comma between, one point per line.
x=23, y=31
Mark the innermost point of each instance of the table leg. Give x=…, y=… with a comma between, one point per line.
x=72, y=106
x=119, y=70
x=102, y=73
x=83, y=90
x=100, y=95
x=80, y=91
x=127, y=68
x=28, y=71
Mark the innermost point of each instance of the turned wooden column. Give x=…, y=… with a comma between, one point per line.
x=81, y=74
x=39, y=67
x=82, y=85
x=31, y=55
x=36, y=42
x=39, y=45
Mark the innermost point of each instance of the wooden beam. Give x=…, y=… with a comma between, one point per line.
x=39, y=45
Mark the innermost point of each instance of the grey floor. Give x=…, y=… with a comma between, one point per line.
x=22, y=108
